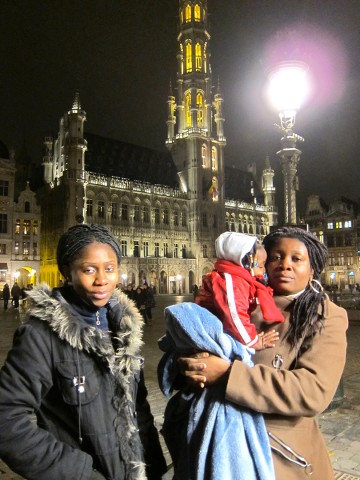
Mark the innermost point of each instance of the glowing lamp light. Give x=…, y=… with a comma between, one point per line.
x=287, y=90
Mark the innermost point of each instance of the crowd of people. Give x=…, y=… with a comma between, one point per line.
x=16, y=294
x=253, y=364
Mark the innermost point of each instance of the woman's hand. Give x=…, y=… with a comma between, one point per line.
x=204, y=369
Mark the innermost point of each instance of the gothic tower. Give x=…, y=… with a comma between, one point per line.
x=268, y=188
x=195, y=129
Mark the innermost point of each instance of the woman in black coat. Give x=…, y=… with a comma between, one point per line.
x=76, y=365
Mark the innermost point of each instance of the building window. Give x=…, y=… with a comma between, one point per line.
x=166, y=249
x=146, y=249
x=35, y=249
x=114, y=212
x=101, y=209
x=183, y=219
x=157, y=216
x=157, y=249
x=35, y=227
x=198, y=57
x=348, y=224
x=26, y=227
x=124, y=212
x=203, y=156
x=136, y=249
x=341, y=259
x=188, y=110
x=27, y=207
x=176, y=250
x=176, y=218
x=331, y=259
x=188, y=57
x=214, y=162
x=166, y=216
x=26, y=248
x=2, y=248
x=89, y=208
x=4, y=188
x=146, y=214
x=197, y=12
x=17, y=227
x=200, y=111
x=183, y=250
x=330, y=225
x=188, y=13
x=3, y=223
x=204, y=220
x=137, y=213
x=349, y=259
x=338, y=225
x=205, y=251
x=124, y=248
x=16, y=248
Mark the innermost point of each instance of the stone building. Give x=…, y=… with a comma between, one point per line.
x=338, y=226
x=166, y=208
x=20, y=218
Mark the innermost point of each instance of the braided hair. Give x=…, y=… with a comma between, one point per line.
x=305, y=319
x=79, y=236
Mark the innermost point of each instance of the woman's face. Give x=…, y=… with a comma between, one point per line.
x=94, y=273
x=288, y=266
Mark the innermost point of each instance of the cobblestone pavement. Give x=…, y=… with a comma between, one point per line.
x=340, y=425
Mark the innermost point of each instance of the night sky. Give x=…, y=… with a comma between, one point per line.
x=121, y=56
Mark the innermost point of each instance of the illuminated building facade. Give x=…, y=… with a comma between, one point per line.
x=165, y=208
x=19, y=225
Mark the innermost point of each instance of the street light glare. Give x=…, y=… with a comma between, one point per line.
x=288, y=87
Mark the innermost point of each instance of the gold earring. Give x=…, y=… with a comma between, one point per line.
x=317, y=284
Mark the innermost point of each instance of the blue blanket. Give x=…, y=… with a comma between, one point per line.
x=208, y=437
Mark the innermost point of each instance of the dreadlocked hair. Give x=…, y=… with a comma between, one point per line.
x=308, y=312
x=78, y=237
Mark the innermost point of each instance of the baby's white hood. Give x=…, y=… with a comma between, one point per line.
x=234, y=246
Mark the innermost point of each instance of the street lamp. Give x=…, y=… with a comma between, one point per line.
x=288, y=88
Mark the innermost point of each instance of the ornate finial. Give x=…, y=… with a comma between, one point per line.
x=76, y=103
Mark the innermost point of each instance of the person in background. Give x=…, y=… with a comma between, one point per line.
x=6, y=295
x=294, y=382
x=236, y=285
x=75, y=363
x=149, y=302
x=129, y=291
x=15, y=293
x=139, y=299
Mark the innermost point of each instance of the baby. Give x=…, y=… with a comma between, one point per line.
x=236, y=285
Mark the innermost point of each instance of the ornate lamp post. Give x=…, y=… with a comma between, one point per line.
x=287, y=90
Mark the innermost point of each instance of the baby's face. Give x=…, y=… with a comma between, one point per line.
x=260, y=259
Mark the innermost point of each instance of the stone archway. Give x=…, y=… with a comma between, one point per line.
x=163, y=282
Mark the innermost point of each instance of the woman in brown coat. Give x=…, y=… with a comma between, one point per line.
x=296, y=380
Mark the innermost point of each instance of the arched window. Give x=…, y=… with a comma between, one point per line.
x=188, y=109
x=200, y=111
x=27, y=207
x=204, y=156
x=197, y=13
x=188, y=13
x=198, y=57
x=188, y=55
x=214, y=162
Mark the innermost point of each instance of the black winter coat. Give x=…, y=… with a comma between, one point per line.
x=82, y=384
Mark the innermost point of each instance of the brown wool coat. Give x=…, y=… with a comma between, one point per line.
x=291, y=397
